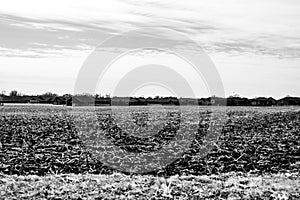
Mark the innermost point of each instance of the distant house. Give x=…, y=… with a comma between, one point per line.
x=238, y=101
x=204, y=102
x=46, y=99
x=217, y=101
x=58, y=101
x=151, y=101
x=170, y=101
x=15, y=99
x=103, y=101
x=22, y=99
x=135, y=101
x=271, y=101
x=142, y=101
x=1, y=100
x=263, y=101
x=120, y=101
x=188, y=101
x=83, y=101
x=35, y=99
x=289, y=101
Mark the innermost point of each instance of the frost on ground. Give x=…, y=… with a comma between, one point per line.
x=120, y=186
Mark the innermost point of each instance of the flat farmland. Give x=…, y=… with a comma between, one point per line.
x=39, y=142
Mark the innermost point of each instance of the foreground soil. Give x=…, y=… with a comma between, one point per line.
x=120, y=186
x=46, y=140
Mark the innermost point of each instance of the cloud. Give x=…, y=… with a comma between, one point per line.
x=232, y=27
x=271, y=45
x=44, y=37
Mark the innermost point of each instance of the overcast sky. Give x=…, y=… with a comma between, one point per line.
x=254, y=44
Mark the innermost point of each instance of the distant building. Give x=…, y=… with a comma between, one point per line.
x=120, y=101
x=83, y=101
x=58, y=101
x=16, y=99
x=142, y=101
x=103, y=101
x=151, y=101
x=289, y=101
x=36, y=99
x=238, y=101
x=188, y=101
x=89, y=100
x=217, y=101
x=1, y=101
x=263, y=101
x=204, y=102
x=171, y=101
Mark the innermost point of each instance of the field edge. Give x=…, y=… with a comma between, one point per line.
x=119, y=186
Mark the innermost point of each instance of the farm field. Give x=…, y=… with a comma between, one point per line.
x=43, y=145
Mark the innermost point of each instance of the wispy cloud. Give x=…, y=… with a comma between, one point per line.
x=218, y=27
x=253, y=43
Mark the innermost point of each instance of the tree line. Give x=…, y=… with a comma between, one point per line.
x=101, y=100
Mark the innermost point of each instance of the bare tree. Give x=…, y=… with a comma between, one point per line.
x=14, y=93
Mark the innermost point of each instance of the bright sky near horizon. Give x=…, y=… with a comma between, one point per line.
x=254, y=44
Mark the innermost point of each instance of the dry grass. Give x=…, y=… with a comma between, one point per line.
x=119, y=186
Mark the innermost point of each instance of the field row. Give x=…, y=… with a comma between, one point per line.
x=50, y=142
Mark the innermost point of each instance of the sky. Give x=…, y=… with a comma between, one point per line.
x=254, y=44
